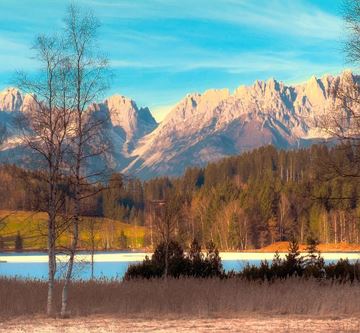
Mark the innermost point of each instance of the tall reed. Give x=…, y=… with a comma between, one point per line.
x=186, y=297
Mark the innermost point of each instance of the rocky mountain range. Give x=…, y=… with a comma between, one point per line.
x=201, y=127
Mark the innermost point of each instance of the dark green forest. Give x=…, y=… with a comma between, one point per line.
x=242, y=202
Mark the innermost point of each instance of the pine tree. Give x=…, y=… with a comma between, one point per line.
x=277, y=260
x=312, y=250
x=313, y=258
x=294, y=261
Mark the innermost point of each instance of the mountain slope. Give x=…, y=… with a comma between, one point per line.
x=201, y=127
x=123, y=123
x=205, y=127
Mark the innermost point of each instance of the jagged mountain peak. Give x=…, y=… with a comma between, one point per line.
x=10, y=100
x=214, y=124
x=124, y=113
x=210, y=125
x=116, y=101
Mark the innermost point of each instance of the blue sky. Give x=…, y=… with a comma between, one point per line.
x=160, y=50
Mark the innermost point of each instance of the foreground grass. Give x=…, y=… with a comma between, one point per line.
x=186, y=297
x=32, y=227
x=241, y=324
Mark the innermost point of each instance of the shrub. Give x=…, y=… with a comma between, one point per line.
x=198, y=264
x=194, y=264
x=310, y=266
x=146, y=270
x=343, y=271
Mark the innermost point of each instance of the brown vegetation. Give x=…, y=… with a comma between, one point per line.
x=185, y=297
x=339, y=247
x=241, y=324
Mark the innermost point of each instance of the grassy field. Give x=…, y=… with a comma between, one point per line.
x=32, y=228
x=197, y=298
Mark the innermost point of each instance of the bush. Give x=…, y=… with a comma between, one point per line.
x=343, y=271
x=310, y=266
x=194, y=264
x=146, y=270
x=198, y=264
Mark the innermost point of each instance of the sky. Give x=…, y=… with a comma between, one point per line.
x=160, y=50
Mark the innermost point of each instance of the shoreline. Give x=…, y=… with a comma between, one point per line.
x=139, y=256
x=281, y=247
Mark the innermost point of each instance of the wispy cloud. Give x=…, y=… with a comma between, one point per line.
x=161, y=49
x=10, y=45
x=286, y=17
x=13, y=55
x=243, y=62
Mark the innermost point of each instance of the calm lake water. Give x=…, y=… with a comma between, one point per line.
x=114, y=265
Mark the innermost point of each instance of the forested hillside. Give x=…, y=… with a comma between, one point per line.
x=242, y=202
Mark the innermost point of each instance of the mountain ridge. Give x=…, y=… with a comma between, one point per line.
x=207, y=126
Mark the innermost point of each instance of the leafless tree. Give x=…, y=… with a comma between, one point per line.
x=165, y=218
x=45, y=128
x=90, y=80
x=2, y=220
x=342, y=121
x=61, y=129
x=92, y=229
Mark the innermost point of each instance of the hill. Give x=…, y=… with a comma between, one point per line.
x=31, y=226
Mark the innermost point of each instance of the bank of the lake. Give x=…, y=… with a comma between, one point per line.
x=113, y=265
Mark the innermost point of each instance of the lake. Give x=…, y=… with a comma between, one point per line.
x=113, y=265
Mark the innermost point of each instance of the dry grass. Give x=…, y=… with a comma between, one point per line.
x=186, y=297
x=284, y=246
x=241, y=324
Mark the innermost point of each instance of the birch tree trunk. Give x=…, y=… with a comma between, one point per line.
x=89, y=82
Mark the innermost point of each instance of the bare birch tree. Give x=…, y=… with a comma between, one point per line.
x=90, y=80
x=45, y=127
x=342, y=121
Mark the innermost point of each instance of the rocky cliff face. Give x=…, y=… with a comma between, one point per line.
x=205, y=127
x=217, y=123
x=11, y=100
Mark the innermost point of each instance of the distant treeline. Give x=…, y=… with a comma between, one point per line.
x=242, y=202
